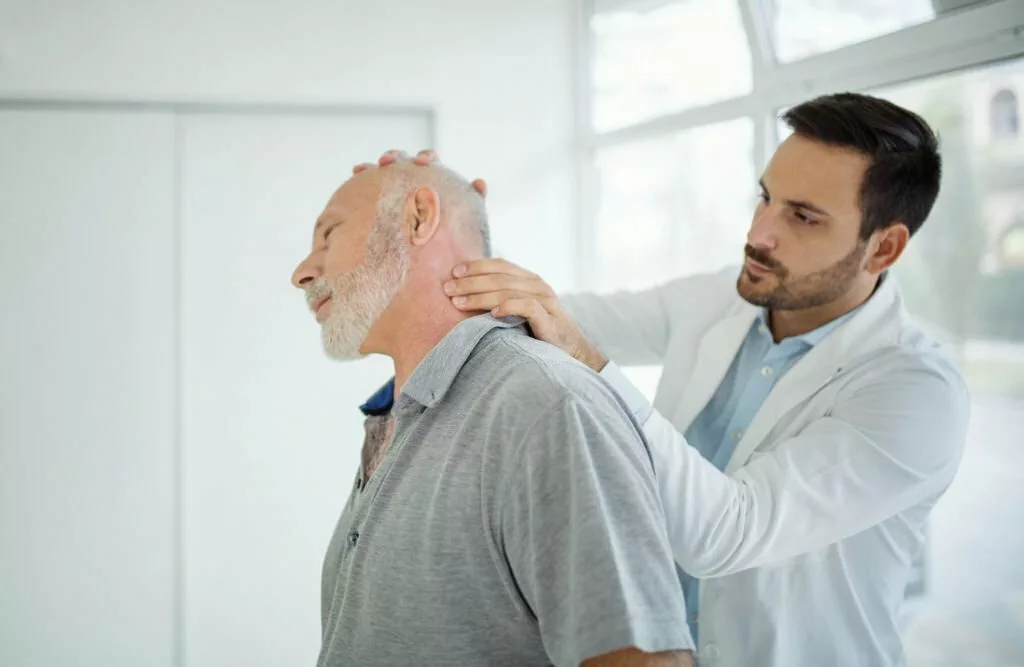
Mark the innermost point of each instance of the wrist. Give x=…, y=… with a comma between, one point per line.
x=595, y=360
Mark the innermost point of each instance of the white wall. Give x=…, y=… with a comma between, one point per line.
x=499, y=74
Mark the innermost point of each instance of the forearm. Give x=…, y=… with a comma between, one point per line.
x=812, y=490
x=840, y=475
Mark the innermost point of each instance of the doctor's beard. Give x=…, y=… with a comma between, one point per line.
x=800, y=292
x=360, y=296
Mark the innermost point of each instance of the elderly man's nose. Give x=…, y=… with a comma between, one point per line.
x=304, y=274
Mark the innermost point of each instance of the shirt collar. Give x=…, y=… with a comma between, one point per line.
x=811, y=338
x=435, y=375
x=381, y=402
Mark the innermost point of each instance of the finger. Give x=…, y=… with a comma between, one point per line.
x=392, y=156
x=362, y=167
x=487, y=301
x=426, y=157
x=480, y=185
x=485, y=266
x=494, y=282
x=531, y=309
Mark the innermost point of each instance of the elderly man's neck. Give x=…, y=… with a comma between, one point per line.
x=413, y=325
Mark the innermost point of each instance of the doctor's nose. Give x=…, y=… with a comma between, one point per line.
x=764, y=229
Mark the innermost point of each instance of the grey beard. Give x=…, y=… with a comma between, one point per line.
x=360, y=297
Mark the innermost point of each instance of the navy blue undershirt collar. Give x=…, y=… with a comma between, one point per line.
x=381, y=402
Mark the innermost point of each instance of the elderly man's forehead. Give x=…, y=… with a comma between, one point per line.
x=361, y=187
x=357, y=192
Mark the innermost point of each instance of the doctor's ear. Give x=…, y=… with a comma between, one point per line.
x=422, y=215
x=886, y=246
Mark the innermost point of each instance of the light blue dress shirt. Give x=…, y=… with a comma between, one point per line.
x=757, y=367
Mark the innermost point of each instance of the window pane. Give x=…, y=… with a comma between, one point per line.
x=648, y=63
x=674, y=205
x=805, y=27
x=964, y=272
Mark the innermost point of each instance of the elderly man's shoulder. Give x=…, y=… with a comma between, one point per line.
x=530, y=376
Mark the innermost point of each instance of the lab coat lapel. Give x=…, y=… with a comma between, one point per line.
x=806, y=377
x=715, y=352
x=872, y=327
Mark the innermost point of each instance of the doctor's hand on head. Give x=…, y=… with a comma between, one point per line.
x=423, y=158
x=507, y=290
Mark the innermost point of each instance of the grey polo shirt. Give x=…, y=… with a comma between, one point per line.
x=513, y=519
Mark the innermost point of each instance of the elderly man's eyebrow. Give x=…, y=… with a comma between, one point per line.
x=327, y=220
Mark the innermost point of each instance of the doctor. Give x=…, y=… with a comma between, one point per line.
x=804, y=426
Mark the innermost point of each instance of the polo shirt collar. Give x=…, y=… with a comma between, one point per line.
x=435, y=375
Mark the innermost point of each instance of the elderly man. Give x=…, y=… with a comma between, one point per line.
x=505, y=511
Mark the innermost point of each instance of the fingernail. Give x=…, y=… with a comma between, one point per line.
x=459, y=271
x=459, y=301
x=449, y=287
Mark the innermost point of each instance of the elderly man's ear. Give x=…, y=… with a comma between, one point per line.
x=422, y=215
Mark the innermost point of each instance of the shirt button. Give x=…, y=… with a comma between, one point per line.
x=767, y=371
x=737, y=434
x=353, y=537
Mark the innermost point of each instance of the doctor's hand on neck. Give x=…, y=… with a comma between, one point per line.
x=506, y=290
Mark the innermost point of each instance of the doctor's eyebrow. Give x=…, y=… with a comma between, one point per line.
x=798, y=203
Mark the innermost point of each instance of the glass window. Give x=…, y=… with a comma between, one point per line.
x=674, y=205
x=648, y=62
x=803, y=28
x=964, y=273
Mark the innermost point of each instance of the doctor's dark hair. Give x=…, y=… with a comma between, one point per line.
x=902, y=180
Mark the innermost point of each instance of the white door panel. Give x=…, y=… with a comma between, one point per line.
x=87, y=401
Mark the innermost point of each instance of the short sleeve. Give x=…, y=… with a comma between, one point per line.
x=584, y=534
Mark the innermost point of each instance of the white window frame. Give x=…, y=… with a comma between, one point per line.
x=971, y=37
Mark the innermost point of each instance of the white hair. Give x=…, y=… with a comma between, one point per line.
x=461, y=205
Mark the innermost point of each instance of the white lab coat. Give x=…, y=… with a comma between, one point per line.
x=804, y=544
